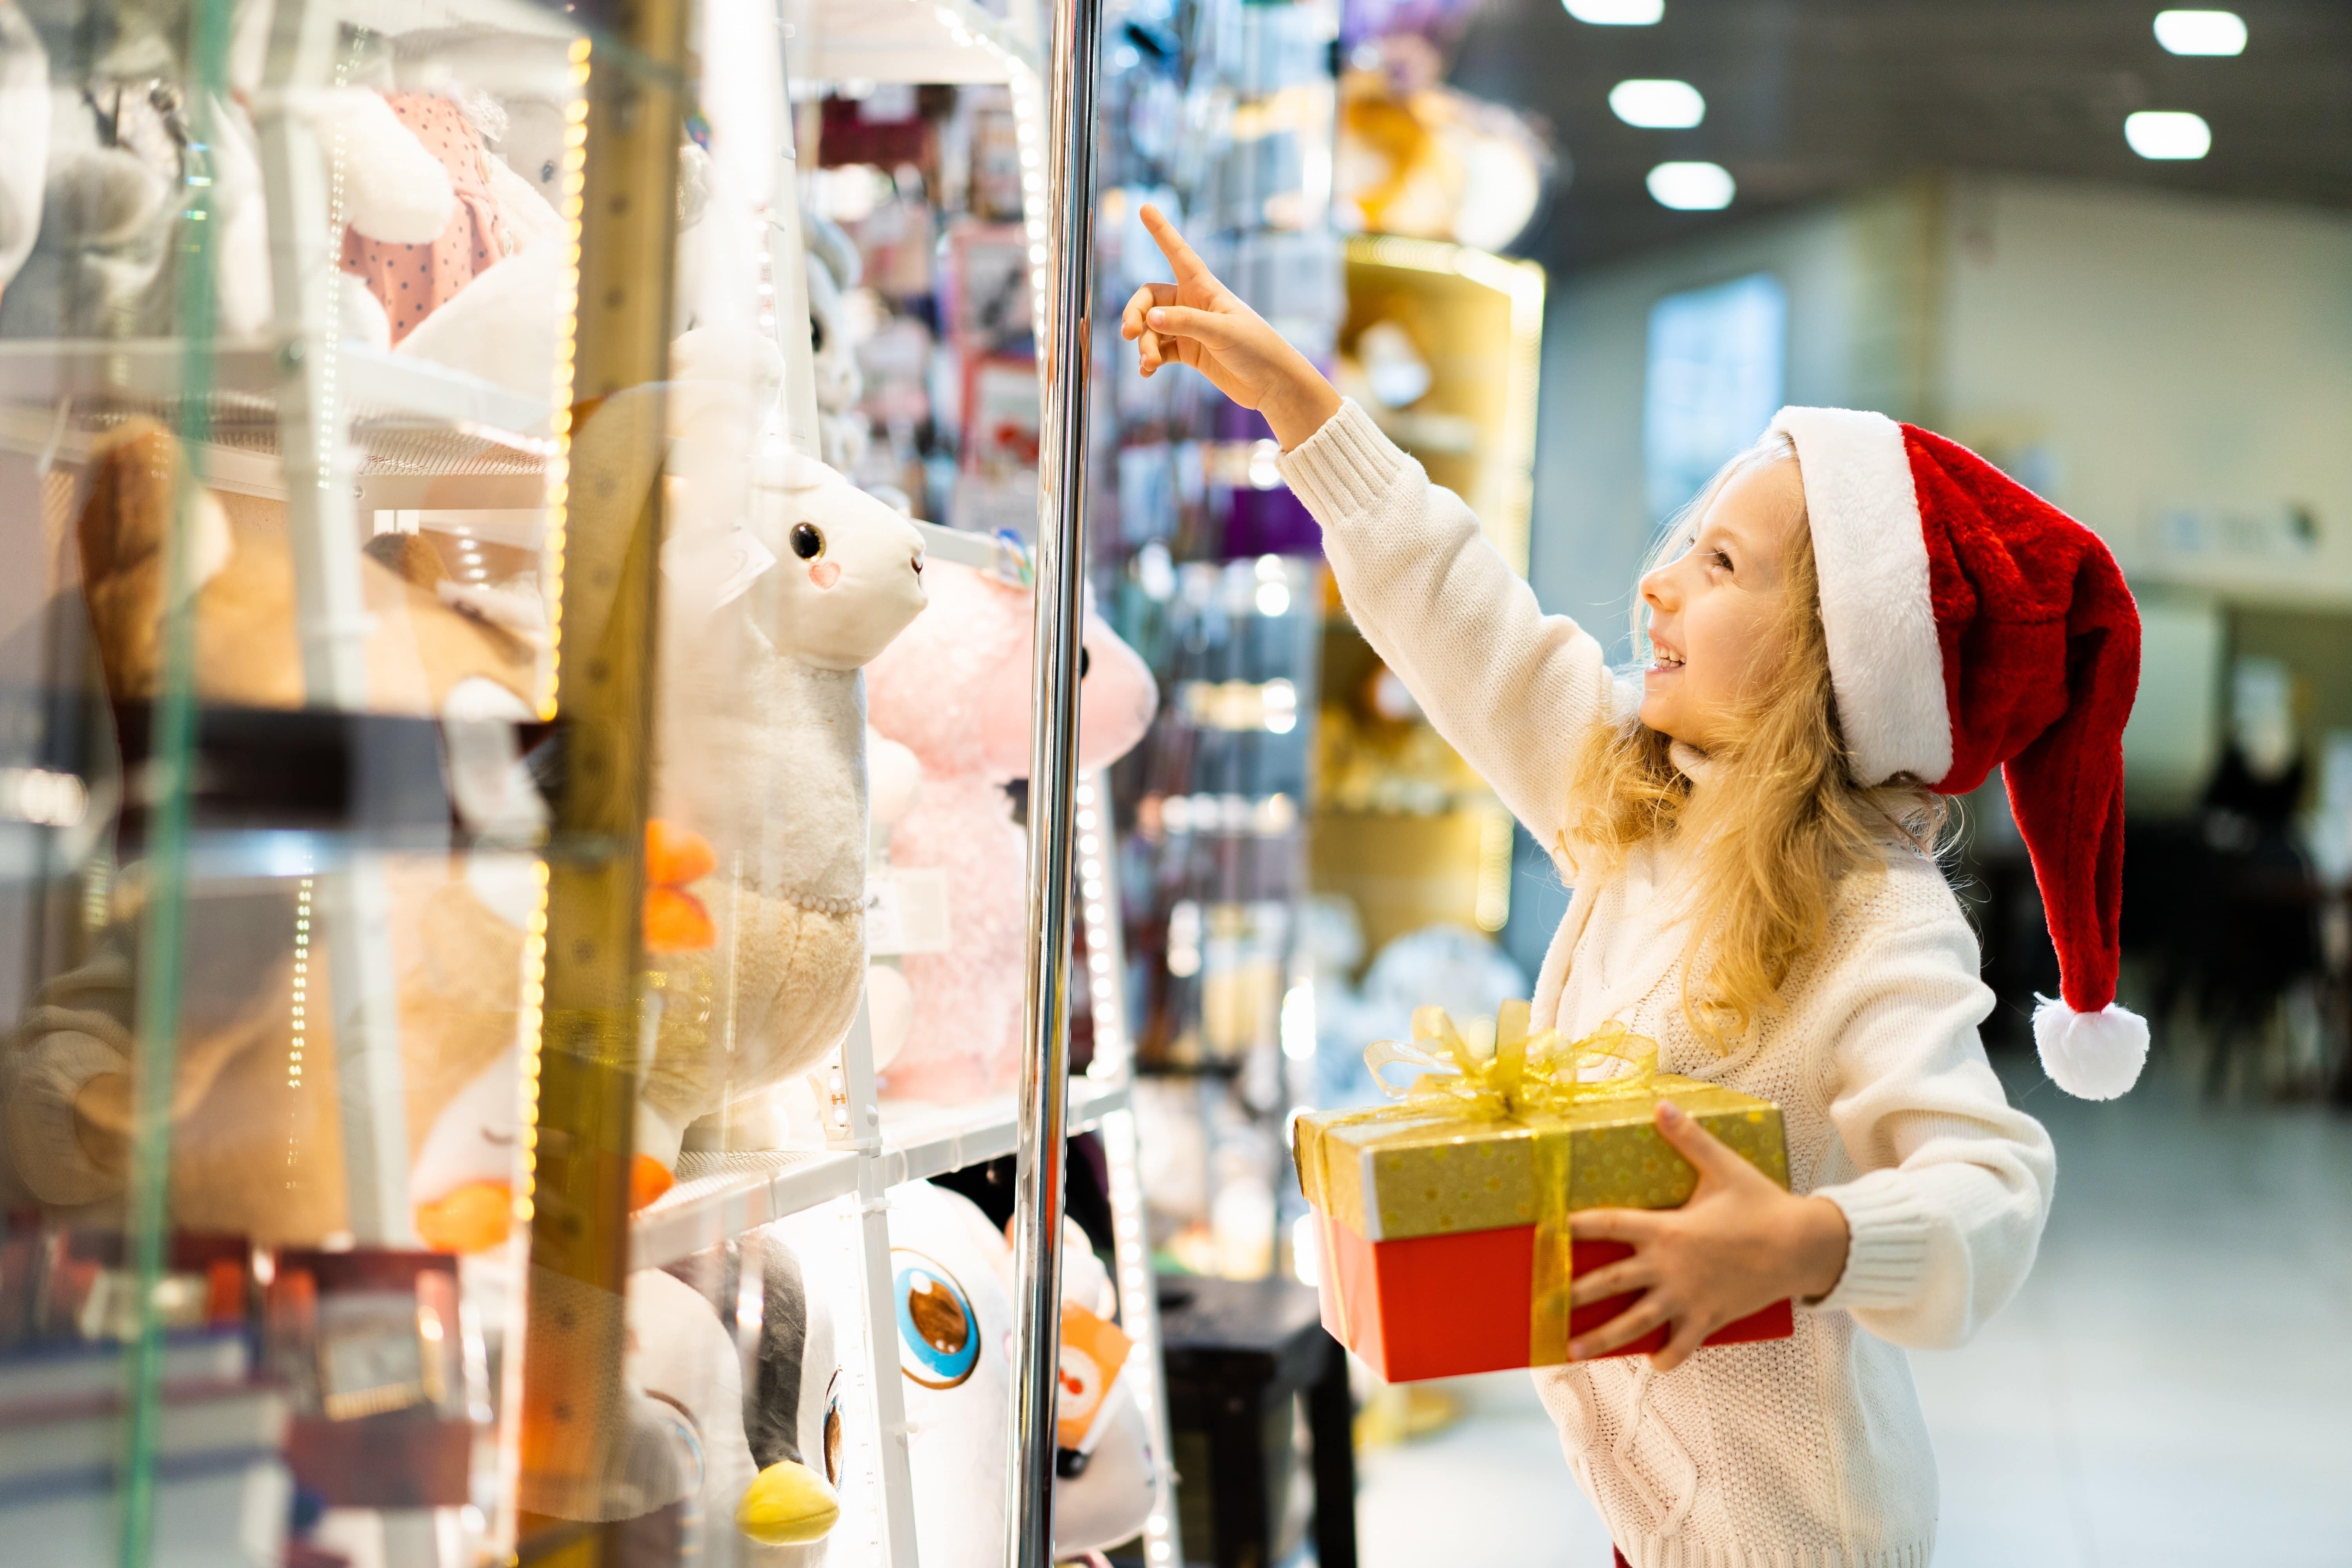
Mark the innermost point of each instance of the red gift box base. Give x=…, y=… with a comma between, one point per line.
x=1443, y=1306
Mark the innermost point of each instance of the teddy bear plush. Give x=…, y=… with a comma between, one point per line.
x=257, y=1144
x=956, y=690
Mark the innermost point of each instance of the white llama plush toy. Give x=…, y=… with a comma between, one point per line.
x=25, y=131
x=781, y=581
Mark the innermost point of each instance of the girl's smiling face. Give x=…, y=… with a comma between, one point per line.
x=1715, y=608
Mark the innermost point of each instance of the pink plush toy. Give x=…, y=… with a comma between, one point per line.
x=954, y=689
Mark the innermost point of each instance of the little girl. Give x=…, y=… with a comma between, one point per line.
x=1854, y=619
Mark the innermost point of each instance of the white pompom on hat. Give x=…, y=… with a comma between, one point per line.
x=1972, y=626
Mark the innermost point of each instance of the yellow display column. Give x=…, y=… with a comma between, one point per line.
x=620, y=183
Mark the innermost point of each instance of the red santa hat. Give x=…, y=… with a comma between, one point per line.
x=1972, y=626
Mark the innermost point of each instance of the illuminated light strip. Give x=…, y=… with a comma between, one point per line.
x=1114, y=1052
x=1114, y=1059
x=530, y=1020
x=298, y=1022
x=572, y=190
x=1029, y=137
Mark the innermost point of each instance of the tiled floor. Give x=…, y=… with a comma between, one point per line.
x=2173, y=1386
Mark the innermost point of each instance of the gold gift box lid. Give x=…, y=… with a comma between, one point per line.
x=1407, y=1175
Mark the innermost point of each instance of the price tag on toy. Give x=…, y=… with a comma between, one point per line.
x=907, y=912
x=1092, y=1353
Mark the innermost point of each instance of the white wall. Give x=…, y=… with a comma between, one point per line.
x=2137, y=353
x=1857, y=276
x=2128, y=353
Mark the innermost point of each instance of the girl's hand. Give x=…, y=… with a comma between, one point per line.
x=1199, y=322
x=1739, y=1245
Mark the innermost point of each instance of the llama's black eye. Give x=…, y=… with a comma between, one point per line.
x=547, y=173
x=807, y=542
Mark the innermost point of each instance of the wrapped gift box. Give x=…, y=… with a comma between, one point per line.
x=1438, y=1258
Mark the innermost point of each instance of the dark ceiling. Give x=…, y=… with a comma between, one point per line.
x=1810, y=97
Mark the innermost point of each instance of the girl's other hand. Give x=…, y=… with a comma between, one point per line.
x=1739, y=1244
x=1197, y=320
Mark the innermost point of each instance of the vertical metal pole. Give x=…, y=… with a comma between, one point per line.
x=1068, y=339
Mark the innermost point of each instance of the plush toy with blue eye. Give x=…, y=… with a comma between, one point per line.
x=951, y=1275
x=939, y=1344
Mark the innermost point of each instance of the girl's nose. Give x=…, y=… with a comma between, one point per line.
x=1657, y=588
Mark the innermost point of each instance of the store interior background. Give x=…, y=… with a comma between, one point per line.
x=1945, y=206
x=1934, y=210
x=1573, y=254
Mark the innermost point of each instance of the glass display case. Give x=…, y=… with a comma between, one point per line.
x=488, y=1011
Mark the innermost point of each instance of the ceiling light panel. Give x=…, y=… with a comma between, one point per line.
x=2168, y=134
x=1656, y=105
x=1692, y=188
x=2202, y=32
x=1617, y=13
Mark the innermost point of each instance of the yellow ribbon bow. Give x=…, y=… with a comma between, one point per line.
x=1525, y=1074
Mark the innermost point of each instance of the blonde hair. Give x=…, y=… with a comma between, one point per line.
x=1781, y=826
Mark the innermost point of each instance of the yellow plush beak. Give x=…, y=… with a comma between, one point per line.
x=787, y=1504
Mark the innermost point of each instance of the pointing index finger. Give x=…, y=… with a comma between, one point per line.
x=1190, y=267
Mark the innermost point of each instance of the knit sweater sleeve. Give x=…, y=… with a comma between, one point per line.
x=1511, y=688
x=1951, y=1184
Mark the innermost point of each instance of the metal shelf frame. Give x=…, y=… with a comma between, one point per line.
x=300, y=415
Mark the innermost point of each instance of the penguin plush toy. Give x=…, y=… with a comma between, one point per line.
x=770, y=1454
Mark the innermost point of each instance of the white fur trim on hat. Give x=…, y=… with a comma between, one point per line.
x=2091, y=1056
x=1885, y=664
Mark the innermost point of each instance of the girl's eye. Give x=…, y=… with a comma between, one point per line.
x=807, y=542
x=1718, y=558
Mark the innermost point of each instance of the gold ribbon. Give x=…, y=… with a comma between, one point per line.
x=1528, y=1080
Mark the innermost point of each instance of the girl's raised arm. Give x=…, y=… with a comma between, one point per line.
x=1513, y=690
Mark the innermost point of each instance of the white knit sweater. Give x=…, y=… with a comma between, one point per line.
x=1808, y=1452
